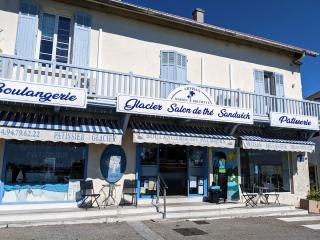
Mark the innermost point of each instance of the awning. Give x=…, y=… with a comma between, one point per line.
x=43, y=127
x=276, y=144
x=180, y=135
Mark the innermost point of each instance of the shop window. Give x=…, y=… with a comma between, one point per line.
x=42, y=171
x=265, y=169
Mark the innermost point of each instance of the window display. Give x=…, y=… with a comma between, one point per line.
x=41, y=171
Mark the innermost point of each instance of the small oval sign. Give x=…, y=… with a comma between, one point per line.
x=113, y=163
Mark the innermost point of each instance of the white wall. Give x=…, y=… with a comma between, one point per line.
x=93, y=172
x=130, y=45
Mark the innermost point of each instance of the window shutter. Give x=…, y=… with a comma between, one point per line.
x=168, y=65
x=279, y=85
x=258, y=82
x=27, y=30
x=81, y=40
x=181, y=68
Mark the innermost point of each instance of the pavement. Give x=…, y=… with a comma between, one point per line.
x=280, y=228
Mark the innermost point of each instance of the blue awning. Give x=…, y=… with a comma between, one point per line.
x=276, y=144
x=146, y=132
x=45, y=127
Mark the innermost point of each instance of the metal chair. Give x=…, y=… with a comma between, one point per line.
x=248, y=197
x=129, y=188
x=87, y=192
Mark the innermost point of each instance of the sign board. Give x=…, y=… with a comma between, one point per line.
x=59, y=136
x=17, y=91
x=113, y=163
x=188, y=102
x=293, y=121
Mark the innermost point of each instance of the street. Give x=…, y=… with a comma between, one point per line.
x=289, y=227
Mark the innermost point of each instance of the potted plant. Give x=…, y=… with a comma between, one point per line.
x=314, y=201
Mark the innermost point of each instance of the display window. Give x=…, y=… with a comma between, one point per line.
x=42, y=171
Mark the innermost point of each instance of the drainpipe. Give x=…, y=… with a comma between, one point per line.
x=202, y=67
x=99, y=48
x=230, y=76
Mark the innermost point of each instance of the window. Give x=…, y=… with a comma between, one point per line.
x=173, y=66
x=265, y=168
x=41, y=171
x=55, y=38
x=268, y=83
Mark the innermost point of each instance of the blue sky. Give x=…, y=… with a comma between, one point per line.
x=295, y=22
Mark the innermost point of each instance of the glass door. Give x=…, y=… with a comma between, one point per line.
x=148, y=170
x=197, y=171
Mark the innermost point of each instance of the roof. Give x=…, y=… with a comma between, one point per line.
x=314, y=97
x=189, y=25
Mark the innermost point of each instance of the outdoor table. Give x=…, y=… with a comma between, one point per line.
x=261, y=194
x=111, y=194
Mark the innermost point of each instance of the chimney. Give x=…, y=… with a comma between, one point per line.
x=198, y=15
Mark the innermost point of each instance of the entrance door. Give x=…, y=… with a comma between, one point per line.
x=197, y=171
x=173, y=168
x=184, y=169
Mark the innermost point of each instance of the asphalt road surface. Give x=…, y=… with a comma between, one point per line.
x=302, y=227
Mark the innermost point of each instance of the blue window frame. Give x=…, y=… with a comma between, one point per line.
x=40, y=171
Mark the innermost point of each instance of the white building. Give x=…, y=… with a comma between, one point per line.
x=113, y=78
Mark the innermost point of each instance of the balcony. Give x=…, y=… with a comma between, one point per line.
x=103, y=86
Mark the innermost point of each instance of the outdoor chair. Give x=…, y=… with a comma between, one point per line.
x=272, y=192
x=248, y=197
x=87, y=192
x=130, y=189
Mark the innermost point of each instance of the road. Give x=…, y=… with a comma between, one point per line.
x=245, y=228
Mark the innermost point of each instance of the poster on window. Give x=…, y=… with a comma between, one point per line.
x=225, y=171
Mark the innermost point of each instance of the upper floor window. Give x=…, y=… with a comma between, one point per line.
x=268, y=83
x=173, y=66
x=55, y=38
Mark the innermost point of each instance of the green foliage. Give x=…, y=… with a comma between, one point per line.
x=314, y=195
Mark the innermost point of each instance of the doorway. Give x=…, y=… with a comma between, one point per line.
x=183, y=168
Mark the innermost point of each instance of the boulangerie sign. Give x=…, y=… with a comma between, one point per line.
x=17, y=91
x=184, y=102
x=293, y=121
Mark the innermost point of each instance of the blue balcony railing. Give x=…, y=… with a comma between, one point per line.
x=104, y=85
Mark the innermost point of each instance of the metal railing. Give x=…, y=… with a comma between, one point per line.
x=162, y=192
x=104, y=84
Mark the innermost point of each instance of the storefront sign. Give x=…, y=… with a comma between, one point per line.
x=293, y=121
x=191, y=94
x=180, y=140
x=113, y=163
x=17, y=91
x=199, y=108
x=59, y=136
x=277, y=146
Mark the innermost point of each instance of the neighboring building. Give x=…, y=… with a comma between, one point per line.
x=86, y=85
x=314, y=158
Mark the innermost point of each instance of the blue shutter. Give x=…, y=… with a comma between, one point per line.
x=27, y=30
x=259, y=82
x=181, y=68
x=168, y=66
x=81, y=40
x=279, y=85
x=259, y=89
x=279, y=92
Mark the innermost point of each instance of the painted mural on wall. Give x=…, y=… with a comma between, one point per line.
x=225, y=171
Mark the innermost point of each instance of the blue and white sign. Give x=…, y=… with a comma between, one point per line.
x=17, y=91
x=113, y=163
x=190, y=103
x=293, y=121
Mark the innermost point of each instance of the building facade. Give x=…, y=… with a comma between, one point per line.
x=314, y=160
x=114, y=92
